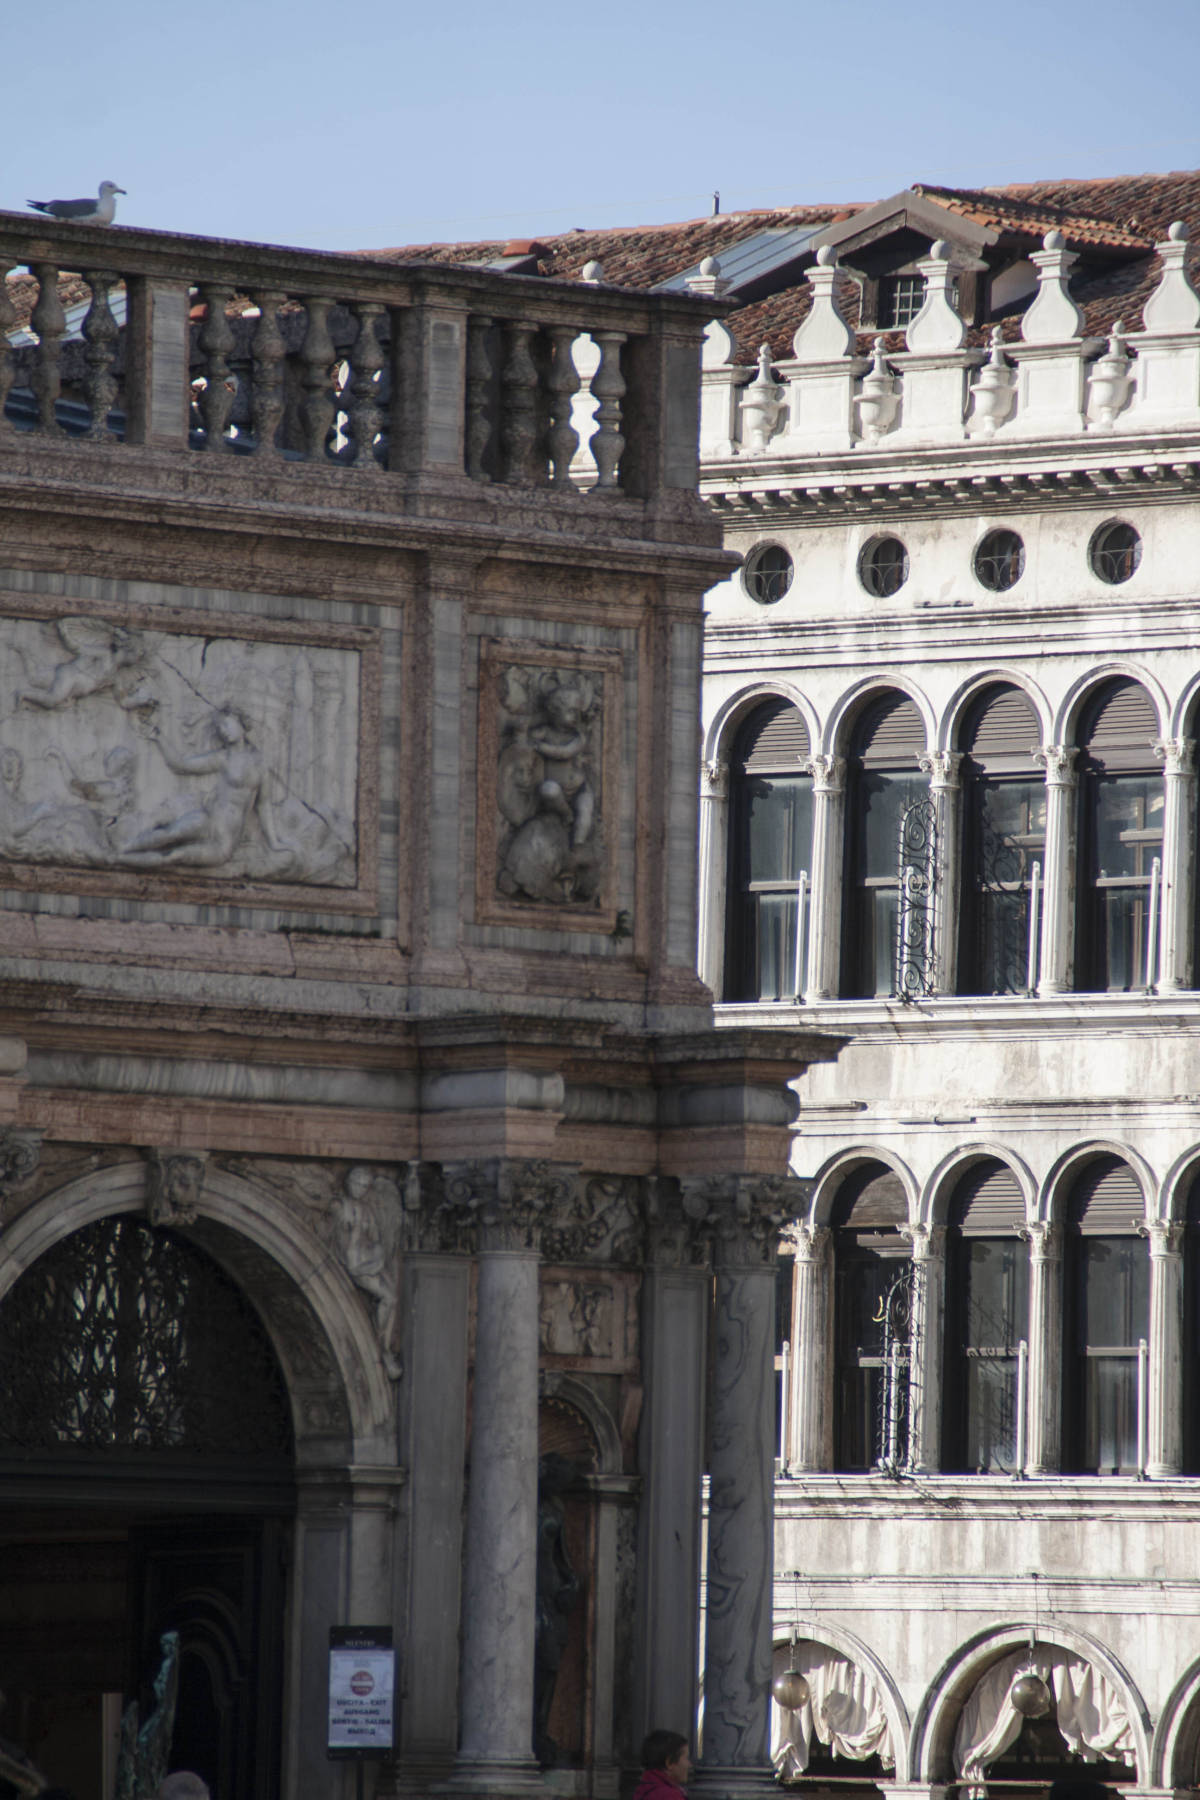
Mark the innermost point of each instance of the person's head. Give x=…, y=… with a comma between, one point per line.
x=668, y=1751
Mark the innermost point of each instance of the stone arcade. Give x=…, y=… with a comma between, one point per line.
x=361, y=1116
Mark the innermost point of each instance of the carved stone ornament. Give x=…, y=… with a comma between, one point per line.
x=761, y=405
x=549, y=731
x=575, y=1318
x=123, y=748
x=511, y=1202
x=20, y=1153
x=1111, y=381
x=366, y=1234
x=745, y=1214
x=601, y=1223
x=174, y=1185
x=994, y=392
x=676, y=1223
x=879, y=399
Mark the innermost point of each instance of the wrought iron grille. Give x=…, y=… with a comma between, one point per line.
x=893, y=1424
x=126, y=1339
x=1004, y=885
x=915, y=962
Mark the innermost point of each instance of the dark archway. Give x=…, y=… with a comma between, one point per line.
x=147, y=1455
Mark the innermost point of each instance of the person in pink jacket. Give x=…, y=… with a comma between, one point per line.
x=666, y=1765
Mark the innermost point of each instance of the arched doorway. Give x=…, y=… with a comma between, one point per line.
x=146, y=1484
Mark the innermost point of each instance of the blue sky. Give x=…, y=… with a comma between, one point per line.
x=368, y=124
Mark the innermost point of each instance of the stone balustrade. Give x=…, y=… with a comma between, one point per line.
x=126, y=338
x=1051, y=382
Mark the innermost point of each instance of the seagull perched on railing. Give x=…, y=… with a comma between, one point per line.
x=84, y=212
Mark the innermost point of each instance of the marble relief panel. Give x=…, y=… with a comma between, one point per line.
x=549, y=731
x=127, y=748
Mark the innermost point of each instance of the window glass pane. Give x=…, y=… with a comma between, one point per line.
x=1110, y=1408
x=1129, y=822
x=882, y=799
x=1115, y=1301
x=776, y=946
x=1015, y=811
x=997, y=1298
x=991, y=1414
x=865, y=1279
x=780, y=826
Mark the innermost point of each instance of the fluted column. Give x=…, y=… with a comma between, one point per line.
x=945, y=790
x=1178, y=864
x=1164, y=1423
x=714, y=866
x=745, y=1216
x=825, y=905
x=1043, y=1398
x=509, y=1201
x=925, y=1345
x=808, y=1411
x=1058, y=919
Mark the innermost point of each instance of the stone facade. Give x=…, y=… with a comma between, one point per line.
x=349, y=905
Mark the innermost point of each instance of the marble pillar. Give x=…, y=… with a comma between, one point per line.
x=1164, y=1423
x=1058, y=911
x=510, y=1201
x=825, y=903
x=714, y=864
x=1178, y=865
x=1043, y=1397
x=942, y=767
x=674, y=1326
x=745, y=1217
x=808, y=1447
x=926, y=1346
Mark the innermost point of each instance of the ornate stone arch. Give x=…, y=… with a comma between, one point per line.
x=932, y=1743
x=936, y=1197
x=1175, y=1752
x=975, y=683
x=341, y=1400
x=1059, y=1177
x=824, y=1632
x=1066, y=718
x=844, y=713
x=731, y=713
x=833, y=1173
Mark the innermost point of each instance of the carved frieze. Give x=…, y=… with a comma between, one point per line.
x=676, y=1220
x=745, y=1214
x=600, y=1223
x=125, y=748
x=575, y=1318
x=510, y=1201
x=549, y=737
x=20, y=1153
x=367, y=1213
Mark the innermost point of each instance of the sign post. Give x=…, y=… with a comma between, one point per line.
x=362, y=1690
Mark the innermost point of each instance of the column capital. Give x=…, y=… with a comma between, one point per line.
x=1044, y=1239
x=828, y=773
x=928, y=1241
x=745, y=1214
x=942, y=767
x=806, y=1241
x=1178, y=755
x=509, y=1201
x=1058, y=760
x=714, y=783
x=1165, y=1235
x=676, y=1224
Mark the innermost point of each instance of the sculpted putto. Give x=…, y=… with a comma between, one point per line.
x=546, y=787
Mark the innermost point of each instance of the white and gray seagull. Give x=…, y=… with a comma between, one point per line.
x=100, y=211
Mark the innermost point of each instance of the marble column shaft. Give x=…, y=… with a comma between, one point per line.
x=1043, y=1399
x=807, y=1448
x=1178, y=865
x=1058, y=887
x=714, y=862
x=825, y=891
x=926, y=1350
x=499, y=1589
x=942, y=767
x=1164, y=1424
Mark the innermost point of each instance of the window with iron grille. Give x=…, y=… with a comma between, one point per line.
x=1000, y=561
x=1115, y=552
x=883, y=567
x=768, y=574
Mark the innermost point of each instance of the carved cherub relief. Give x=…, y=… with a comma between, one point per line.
x=547, y=785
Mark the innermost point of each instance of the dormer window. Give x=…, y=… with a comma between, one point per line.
x=900, y=300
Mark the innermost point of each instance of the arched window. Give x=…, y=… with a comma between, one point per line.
x=770, y=842
x=871, y=1318
x=883, y=782
x=1004, y=843
x=1120, y=841
x=1107, y=1317
x=1190, y=1348
x=987, y=1317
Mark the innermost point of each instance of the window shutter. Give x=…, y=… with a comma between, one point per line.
x=988, y=1201
x=1106, y=1200
x=890, y=731
x=1002, y=722
x=775, y=736
x=1120, y=717
x=870, y=1198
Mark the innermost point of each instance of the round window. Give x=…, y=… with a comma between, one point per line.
x=1000, y=560
x=768, y=574
x=883, y=566
x=1115, y=552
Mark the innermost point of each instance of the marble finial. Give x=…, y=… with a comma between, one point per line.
x=1053, y=240
x=940, y=250
x=710, y=266
x=1178, y=232
x=827, y=256
x=592, y=271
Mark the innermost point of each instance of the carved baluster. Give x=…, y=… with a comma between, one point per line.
x=216, y=340
x=50, y=322
x=8, y=318
x=316, y=358
x=608, y=386
x=479, y=396
x=101, y=333
x=519, y=422
x=363, y=404
x=564, y=385
x=268, y=351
